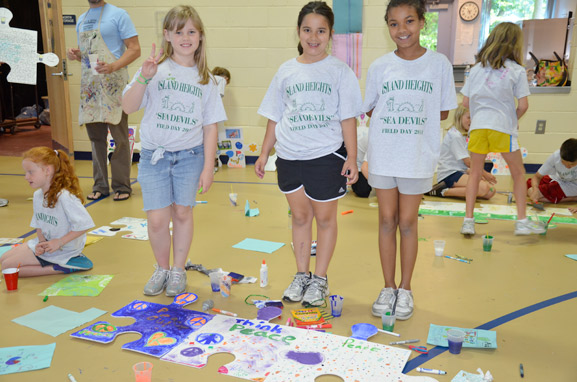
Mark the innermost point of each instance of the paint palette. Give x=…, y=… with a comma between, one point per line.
x=162, y=327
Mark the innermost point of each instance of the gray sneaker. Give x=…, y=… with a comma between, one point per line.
x=296, y=290
x=405, y=304
x=176, y=282
x=316, y=292
x=529, y=227
x=157, y=282
x=384, y=301
x=468, y=227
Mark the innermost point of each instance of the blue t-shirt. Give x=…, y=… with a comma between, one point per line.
x=115, y=26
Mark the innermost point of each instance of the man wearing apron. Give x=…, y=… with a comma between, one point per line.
x=106, y=35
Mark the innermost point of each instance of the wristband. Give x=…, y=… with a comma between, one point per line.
x=146, y=80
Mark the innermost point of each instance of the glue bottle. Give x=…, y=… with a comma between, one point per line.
x=263, y=274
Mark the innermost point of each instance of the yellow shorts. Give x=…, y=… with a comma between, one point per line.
x=484, y=141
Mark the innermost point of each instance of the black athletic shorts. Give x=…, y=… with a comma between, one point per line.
x=320, y=177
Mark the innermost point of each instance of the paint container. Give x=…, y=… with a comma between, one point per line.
x=11, y=277
x=487, y=243
x=225, y=285
x=143, y=371
x=439, y=247
x=336, y=305
x=455, y=338
x=388, y=319
x=215, y=278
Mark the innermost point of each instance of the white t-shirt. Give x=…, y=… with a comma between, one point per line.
x=177, y=107
x=453, y=151
x=362, y=145
x=67, y=215
x=407, y=98
x=308, y=103
x=492, y=94
x=566, y=177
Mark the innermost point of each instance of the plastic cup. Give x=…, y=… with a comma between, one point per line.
x=336, y=305
x=388, y=320
x=143, y=371
x=546, y=226
x=456, y=338
x=11, y=277
x=487, y=243
x=93, y=58
x=439, y=247
x=225, y=285
x=215, y=281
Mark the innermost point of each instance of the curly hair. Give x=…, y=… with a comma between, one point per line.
x=64, y=176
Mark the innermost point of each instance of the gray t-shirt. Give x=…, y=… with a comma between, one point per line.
x=492, y=94
x=308, y=103
x=407, y=97
x=67, y=215
x=453, y=151
x=177, y=107
x=566, y=177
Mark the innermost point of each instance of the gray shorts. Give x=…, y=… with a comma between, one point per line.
x=407, y=186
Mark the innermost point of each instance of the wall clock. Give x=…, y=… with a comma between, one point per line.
x=469, y=11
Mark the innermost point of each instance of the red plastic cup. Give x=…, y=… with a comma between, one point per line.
x=11, y=277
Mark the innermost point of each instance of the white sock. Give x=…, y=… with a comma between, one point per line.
x=469, y=219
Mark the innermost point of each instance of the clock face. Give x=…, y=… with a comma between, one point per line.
x=469, y=11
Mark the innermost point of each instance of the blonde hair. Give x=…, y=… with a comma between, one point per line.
x=64, y=176
x=459, y=113
x=175, y=19
x=504, y=42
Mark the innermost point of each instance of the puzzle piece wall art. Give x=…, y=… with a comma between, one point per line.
x=162, y=327
x=138, y=229
x=18, y=49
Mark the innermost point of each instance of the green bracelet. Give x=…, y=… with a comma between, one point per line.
x=146, y=80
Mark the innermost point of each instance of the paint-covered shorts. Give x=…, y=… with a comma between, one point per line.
x=172, y=180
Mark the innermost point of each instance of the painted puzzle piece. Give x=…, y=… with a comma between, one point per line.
x=272, y=352
x=137, y=227
x=162, y=327
x=500, y=166
x=18, y=49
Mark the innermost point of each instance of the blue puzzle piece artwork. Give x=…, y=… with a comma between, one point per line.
x=162, y=327
x=18, y=49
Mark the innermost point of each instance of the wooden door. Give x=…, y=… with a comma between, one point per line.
x=57, y=77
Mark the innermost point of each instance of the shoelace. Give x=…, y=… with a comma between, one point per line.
x=175, y=276
x=316, y=283
x=300, y=281
x=383, y=294
x=158, y=275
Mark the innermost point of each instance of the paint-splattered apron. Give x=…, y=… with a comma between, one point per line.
x=100, y=95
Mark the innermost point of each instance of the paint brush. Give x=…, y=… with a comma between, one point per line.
x=551, y=218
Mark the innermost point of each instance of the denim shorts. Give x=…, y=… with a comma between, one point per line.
x=172, y=180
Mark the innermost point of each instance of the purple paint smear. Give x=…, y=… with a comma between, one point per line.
x=306, y=358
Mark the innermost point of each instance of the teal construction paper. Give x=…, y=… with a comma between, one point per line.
x=573, y=257
x=348, y=16
x=3, y=250
x=53, y=320
x=474, y=338
x=18, y=359
x=258, y=245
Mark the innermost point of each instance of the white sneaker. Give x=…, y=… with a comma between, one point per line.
x=316, y=292
x=297, y=288
x=468, y=227
x=405, y=304
x=384, y=301
x=176, y=283
x=157, y=281
x=529, y=227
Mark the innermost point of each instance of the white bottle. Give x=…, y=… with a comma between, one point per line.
x=466, y=74
x=263, y=274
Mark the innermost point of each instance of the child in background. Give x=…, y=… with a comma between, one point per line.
x=454, y=162
x=496, y=80
x=408, y=93
x=556, y=180
x=311, y=106
x=178, y=134
x=60, y=219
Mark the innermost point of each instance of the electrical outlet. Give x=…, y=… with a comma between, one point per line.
x=540, y=128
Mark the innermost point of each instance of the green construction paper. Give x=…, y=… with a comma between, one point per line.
x=78, y=285
x=348, y=16
x=53, y=320
x=258, y=245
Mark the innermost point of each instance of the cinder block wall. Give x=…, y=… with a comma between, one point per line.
x=253, y=37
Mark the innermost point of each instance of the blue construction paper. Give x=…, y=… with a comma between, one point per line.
x=474, y=338
x=53, y=320
x=250, y=212
x=348, y=16
x=18, y=359
x=573, y=257
x=258, y=245
x=3, y=250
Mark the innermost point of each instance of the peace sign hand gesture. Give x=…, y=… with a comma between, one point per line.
x=150, y=66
